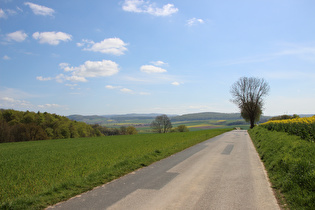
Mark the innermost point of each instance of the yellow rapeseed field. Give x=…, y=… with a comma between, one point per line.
x=303, y=127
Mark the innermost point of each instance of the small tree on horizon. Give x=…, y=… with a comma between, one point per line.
x=161, y=124
x=248, y=94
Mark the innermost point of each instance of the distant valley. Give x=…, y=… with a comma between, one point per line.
x=194, y=121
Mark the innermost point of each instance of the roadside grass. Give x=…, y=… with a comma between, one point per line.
x=290, y=162
x=37, y=174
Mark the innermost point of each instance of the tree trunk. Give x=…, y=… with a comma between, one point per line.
x=252, y=124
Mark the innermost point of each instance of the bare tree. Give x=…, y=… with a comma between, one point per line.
x=161, y=124
x=248, y=94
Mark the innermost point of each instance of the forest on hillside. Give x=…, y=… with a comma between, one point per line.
x=16, y=126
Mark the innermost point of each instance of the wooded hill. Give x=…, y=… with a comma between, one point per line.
x=18, y=126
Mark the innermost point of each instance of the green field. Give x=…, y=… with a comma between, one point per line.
x=40, y=173
x=143, y=126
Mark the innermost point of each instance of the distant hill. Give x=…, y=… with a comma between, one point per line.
x=90, y=119
x=102, y=119
x=134, y=116
x=207, y=116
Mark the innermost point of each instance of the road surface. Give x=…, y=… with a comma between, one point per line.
x=224, y=172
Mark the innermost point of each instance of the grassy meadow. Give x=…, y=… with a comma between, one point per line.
x=37, y=174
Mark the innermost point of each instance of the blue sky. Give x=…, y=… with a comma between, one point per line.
x=166, y=56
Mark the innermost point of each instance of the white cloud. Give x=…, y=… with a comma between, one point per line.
x=112, y=87
x=158, y=63
x=49, y=106
x=64, y=66
x=141, y=6
x=102, y=68
x=39, y=9
x=52, y=38
x=9, y=102
x=126, y=90
x=84, y=42
x=113, y=46
x=40, y=78
x=2, y=14
x=151, y=69
x=6, y=57
x=15, y=102
x=18, y=36
x=175, y=83
x=194, y=21
x=11, y=12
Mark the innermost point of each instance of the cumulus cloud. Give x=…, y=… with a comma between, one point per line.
x=194, y=21
x=39, y=9
x=175, y=83
x=104, y=68
x=151, y=69
x=52, y=38
x=141, y=6
x=113, y=46
x=18, y=36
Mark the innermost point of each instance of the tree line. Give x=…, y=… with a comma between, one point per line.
x=16, y=126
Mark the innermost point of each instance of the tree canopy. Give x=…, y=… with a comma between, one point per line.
x=161, y=124
x=248, y=94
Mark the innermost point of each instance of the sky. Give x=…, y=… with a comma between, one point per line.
x=154, y=56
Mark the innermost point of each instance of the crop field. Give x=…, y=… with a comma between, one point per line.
x=37, y=174
x=302, y=127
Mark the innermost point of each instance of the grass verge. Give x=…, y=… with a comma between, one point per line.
x=37, y=174
x=290, y=162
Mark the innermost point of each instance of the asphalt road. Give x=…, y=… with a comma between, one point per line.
x=224, y=172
